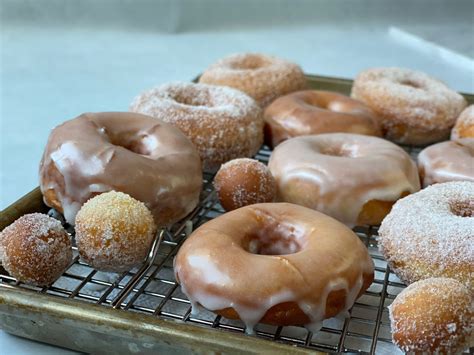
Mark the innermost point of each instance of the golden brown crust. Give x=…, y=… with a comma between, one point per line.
x=262, y=77
x=434, y=315
x=242, y=182
x=315, y=112
x=464, y=127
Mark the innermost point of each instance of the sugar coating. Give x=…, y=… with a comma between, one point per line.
x=464, y=121
x=245, y=181
x=261, y=76
x=223, y=123
x=114, y=231
x=432, y=315
x=407, y=97
x=35, y=249
x=431, y=233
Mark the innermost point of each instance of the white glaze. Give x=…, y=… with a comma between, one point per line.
x=338, y=173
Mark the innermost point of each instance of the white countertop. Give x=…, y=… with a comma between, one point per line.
x=51, y=74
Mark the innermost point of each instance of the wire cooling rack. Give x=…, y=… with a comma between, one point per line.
x=152, y=289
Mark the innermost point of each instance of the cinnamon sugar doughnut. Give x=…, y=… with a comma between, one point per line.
x=242, y=182
x=432, y=316
x=312, y=112
x=136, y=154
x=351, y=177
x=447, y=161
x=261, y=76
x=35, y=249
x=114, y=232
x=258, y=263
x=413, y=107
x=223, y=123
x=431, y=234
x=464, y=127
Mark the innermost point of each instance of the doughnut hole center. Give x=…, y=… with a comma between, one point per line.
x=274, y=238
x=343, y=150
x=410, y=83
x=462, y=208
x=193, y=99
x=250, y=63
x=143, y=145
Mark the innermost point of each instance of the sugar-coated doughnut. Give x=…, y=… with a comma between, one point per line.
x=414, y=108
x=464, y=127
x=258, y=263
x=146, y=158
x=447, y=161
x=114, y=232
x=431, y=234
x=242, y=182
x=313, y=112
x=263, y=77
x=223, y=123
x=35, y=249
x=432, y=316
x=351, y=177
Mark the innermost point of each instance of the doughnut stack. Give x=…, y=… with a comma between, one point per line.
x=120, y=177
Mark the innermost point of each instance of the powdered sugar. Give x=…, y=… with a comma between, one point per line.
x=263, y=77
x=223, y=123
x=35, y=249
x=432, y=315
x=426, y=235
x=114, y=231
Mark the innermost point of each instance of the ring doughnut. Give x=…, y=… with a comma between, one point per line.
x=261, y=76
x=447, y=161
x=223, y=123
x=432, y=316
x=351, y=177
x=464, y=127
x=257, y=264
x=98, y=152
x=431, y=234
x=413, y=107
x=312, y=112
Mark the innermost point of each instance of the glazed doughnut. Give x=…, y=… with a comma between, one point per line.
x=98, y=152
x=464, y=127
x=432, y=316
x=258, y=264
x=35, y=249
x=114, y=232
x=261, y=76
x=413, y=107
x=350, y=177
x=242, y=182
x=312, y=112
x=431, y=234
x=222, y=123
x=447, y=161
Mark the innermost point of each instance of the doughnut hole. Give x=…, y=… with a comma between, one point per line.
x=433, y=315
x=462, y=208
x=411, y=83
x=35, y=249
x=250, y=62
x=114, y=232
x=242, y=182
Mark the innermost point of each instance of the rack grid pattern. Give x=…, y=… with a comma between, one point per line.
x=152, y=289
